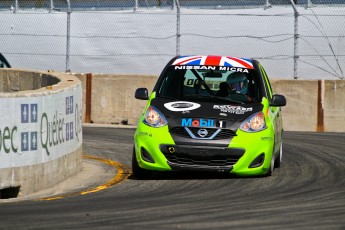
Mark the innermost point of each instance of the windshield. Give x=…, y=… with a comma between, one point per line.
x=209, y=83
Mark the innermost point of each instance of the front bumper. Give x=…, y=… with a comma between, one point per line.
x=236, y=158
x=205, y=158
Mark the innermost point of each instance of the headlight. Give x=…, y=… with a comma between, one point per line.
x=254, y=123
x=154, y=117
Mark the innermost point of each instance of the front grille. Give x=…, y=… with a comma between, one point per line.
x=187, y=160
x=222, y=134
x=201, y=155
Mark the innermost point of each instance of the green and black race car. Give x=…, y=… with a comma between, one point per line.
x=210, y=113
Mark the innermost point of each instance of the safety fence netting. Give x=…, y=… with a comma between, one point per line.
x=292, y=39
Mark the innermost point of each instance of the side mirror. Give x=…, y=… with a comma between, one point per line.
x=142, y=94
x=278, y=100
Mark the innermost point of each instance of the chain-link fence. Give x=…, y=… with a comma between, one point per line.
x=125, y=4
x=293, y=39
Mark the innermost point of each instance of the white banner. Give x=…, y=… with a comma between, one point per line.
x=39, y=129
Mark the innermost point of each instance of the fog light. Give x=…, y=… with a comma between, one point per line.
x=258, y=161
x=146, y=156
x=171, y=149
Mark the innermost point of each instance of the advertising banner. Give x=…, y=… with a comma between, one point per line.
x=35, y=130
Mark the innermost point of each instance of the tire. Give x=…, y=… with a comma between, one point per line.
x=137, y=172
x=270, y=170
x=279, y=158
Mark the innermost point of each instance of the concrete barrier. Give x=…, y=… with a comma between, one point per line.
x=113, y=99
x=301, y=111
x=40, y=129
x=312, y=105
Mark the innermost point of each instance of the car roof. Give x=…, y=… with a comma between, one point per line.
x=211, y=60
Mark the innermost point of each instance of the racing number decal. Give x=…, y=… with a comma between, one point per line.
x=221, y=124
x=192, y=82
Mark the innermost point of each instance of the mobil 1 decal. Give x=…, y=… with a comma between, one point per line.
x=202, y=122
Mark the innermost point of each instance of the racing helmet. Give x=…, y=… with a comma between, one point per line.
x=238, y=82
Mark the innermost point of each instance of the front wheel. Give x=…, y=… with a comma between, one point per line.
x=270, y=170
x=276, y=162
x=279, y=158
x=138, y=172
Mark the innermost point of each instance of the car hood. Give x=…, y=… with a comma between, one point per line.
x=218, y=114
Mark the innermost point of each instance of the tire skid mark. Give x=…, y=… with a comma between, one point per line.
x=123, y=172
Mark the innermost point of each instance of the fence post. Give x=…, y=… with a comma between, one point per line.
x=309, y=4
x=178, y=34
x=15, y=6
x=88, y=98
x=51, y=5
x=68, y=38
x=295, y=43
x=173, y=4
x=267, y=5
x=136, y=6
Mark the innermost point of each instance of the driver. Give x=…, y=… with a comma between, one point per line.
x=238, y=82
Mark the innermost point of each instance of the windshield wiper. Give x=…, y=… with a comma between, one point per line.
x=214, y=97
x=228, y=99
x=168, y=97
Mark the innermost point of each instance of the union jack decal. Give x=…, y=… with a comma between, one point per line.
x=214, y=61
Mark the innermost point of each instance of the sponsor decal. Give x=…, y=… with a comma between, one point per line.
x=266, y=138
x=181, y=106
x=145, y=134
x=198, y=122
x=202, y=67
x=221, y=68
x=191, y=122
x=234, y=69
x=232, y=109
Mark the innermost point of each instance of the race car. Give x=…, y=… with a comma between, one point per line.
x=212, y=114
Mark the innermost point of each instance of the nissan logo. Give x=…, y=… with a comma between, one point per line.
x=202, y=132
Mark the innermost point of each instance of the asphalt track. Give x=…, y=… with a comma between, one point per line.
x=306, y=192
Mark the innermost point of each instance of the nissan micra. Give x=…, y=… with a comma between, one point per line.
x=209, y=113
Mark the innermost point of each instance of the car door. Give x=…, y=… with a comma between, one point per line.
x=274, y=113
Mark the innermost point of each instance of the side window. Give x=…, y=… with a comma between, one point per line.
x=267, y=83
x=163, y=90
x=171, y=85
